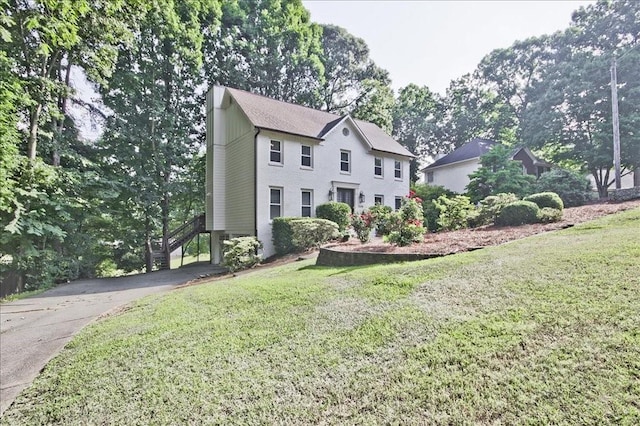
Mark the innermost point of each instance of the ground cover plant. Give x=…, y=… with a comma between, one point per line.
x=543, y=330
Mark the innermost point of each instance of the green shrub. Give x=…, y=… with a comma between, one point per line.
x=362, y=224
x=381, y=216
x=454, y=211
x=407, y=234
x=335, y=212
x=518, y=213
x=572, y=188
x=491, y=206
x=549, y=215
x=428, y=193
x=546, y=199
x=241, y=253
x=292, y=234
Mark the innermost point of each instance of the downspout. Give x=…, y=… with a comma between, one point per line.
x=255, y=182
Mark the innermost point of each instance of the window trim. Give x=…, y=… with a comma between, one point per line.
x=348, y=161
x=376, y=167
x=279, y=152
x=397, y=170
x=303, y=156
x=309, y=206
x=271, y=204
x=429, y=177
x=397, y=203
x=378, y=196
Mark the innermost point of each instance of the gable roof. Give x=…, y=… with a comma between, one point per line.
x=270, y=114
x=470, y=150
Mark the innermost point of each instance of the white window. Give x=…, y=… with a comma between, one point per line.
x=378, y=199
x=377, y=166
x=306, y=159
x=398, y=169
x=307, y=202
x=429, y=177
x=398, y=203
x=275, y=152
x=275, y=202
x=345, y=161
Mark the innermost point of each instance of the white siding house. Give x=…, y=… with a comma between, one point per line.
x=267, y=158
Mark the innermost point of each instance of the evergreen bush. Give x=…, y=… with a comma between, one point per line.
x=549, y=215
x=518, y=213
x=335, y=212
x=572, y=188
x=491, y=206
x=429, y=193
x=546, y=199
x=454, y=212
x=381, y=216
x=292, y=234
x=241, y=253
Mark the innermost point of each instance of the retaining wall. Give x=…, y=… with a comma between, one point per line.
x=328, y=257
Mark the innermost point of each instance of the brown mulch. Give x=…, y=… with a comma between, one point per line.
x=471, y=239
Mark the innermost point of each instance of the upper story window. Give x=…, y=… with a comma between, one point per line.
x=275, y=202
x=429, y=177
x=307, y=202
x=397, y=168
x=306, y=156
x=345, y=161
x=377, y=166
x=275, y=152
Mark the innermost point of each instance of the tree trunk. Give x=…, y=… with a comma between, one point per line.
x=636, y=177
x=34, y=117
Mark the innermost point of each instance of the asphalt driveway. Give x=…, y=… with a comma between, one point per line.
x=35, y=329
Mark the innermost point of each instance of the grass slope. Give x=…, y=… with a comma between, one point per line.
x=543, y=330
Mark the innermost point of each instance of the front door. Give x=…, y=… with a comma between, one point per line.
x=345, y=195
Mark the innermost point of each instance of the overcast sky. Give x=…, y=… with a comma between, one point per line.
x=433, y=42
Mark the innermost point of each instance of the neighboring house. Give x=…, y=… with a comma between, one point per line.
x=267, y=158
x=452, y=170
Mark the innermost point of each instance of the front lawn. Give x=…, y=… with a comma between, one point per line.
x=544, y=330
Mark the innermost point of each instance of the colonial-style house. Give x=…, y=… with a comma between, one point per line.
x=267, y=158
x=452, y=170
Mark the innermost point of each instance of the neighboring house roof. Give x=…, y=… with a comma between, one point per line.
x=470, y=150
x=270, y=114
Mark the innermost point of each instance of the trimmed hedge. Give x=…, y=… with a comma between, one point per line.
x=339, y=213
x=573, y=188
x=291, y=234
x=491, y=206
x=518, y=213
x=241, y=253
x=548, y=215
x=546, y=199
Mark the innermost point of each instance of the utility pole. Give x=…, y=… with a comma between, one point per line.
x=616, y=122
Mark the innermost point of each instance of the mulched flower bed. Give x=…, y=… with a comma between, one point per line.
x=470, y=239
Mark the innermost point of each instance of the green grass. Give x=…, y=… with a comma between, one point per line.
x=544, y=330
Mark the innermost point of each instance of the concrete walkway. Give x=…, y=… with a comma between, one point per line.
x=35, y=329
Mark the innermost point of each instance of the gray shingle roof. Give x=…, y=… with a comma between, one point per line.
x=472, y=149
x=270, y=114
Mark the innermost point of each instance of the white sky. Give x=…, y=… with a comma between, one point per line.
x=433, y=42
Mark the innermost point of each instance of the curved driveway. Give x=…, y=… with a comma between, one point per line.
x=35, y=329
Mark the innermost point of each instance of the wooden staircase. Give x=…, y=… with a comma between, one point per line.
x=178, y=238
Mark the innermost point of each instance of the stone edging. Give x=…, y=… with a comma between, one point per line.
x=328, y=257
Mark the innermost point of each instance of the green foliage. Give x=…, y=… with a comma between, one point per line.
x=573, y=188
x=454, y=212
x=491, y=206
x=549, y=215
x=428, y=194
x=291, y=234
x=407, y=223
x=241, y=253
x=363, y=224
x=518, y=213
x=546, y=199
x=381, y=216
x=498, y=173
x=335, y=212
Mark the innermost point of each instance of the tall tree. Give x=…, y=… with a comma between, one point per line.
x=415, y=118
x=376, y=105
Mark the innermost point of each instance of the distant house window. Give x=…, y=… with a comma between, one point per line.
x=345, y=161
x=378, y=200
x=377, y=166
x=275, y=202
x=398, y=169
x=307, y=202
x=275, y=152
x=398, y=203
x=429, y=177
x=306, y=156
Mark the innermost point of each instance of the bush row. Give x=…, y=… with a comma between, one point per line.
x=291, y=234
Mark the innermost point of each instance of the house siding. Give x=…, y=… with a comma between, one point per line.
x=454, y=177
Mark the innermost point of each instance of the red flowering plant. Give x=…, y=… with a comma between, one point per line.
x=409, y=226
x=362, y=224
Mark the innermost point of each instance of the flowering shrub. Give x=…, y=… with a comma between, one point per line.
x=454, y=212
x=407, y=223
x=241, y=253
x=362, y=224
